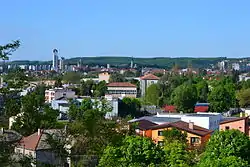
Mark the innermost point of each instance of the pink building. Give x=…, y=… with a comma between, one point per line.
x=240, y=124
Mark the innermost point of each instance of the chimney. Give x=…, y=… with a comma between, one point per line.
x=39, y=132
x=191, y=125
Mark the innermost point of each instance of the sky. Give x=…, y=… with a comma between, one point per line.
x=138, y=28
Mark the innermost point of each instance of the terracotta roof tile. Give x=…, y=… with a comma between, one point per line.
x=185, y=127
x=120, y=84
x=30, y=142
x=150, y=77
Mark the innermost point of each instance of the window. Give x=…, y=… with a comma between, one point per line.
x=227, y=127
x=160, y=143
x=195, y=140
x=160, y=133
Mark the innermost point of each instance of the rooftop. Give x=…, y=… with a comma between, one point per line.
x=9, y=135
x=37, y=141
x=185, y=127
x=232, y=119
x=156, y=120
x=120, y=84
x=149, y=77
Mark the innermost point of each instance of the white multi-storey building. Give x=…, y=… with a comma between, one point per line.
x=146, y=81
x=121, y=89
x=56, y=93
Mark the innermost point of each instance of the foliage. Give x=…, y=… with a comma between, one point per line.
x=184, y=97
x=100, y=89
x=230, y=161
x=133, y=150
x=129, y=106
x=72, y=77
x=244, y=97
x=176, y=154
x=220, y=99
x=116, y=77
x=58, y=82
x=153, y=94
x=202, y=91
x=8, y=49
x=227, y=143
x=12, y=107
x=174, y=134
x=34, y=114
x=91, y=131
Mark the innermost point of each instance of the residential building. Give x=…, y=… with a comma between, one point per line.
x=121, y=89
x=56, y=93
x=146, y=81
x=196, y=136
x=63, y=106
x=104, y=76
x=37, y=147
x=209, y=121
x=238, y=123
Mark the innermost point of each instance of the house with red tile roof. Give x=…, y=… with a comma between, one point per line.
x=121, y=89
x=196, y=135
x=146, y=81
x=37, y=147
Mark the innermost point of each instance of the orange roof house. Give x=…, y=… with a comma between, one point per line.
x=196, y=135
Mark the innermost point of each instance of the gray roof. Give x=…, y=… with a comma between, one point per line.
x=201, y=115
x=43, y=143
x=157, y=119
x=9, y=136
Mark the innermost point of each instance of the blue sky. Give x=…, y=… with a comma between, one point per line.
x=139, y=28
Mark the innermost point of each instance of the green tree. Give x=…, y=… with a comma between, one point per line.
x=12, y=107
x=8, y=49
x=184, y=97
x=58, y=82
x=72, y=77
x=49, y=117
x=175, y=134
x=129, y=106
x=100, y=89
x=230, y=161
x=152, y=94
x=133, y=151
x=202, y=91
x=177, y=154
x=225, y=144
x=244, y=97
x=116, y=77
x=220, y=99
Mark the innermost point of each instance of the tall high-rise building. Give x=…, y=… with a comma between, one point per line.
x=55, y=60
x=132, y=63
x=61, y=64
